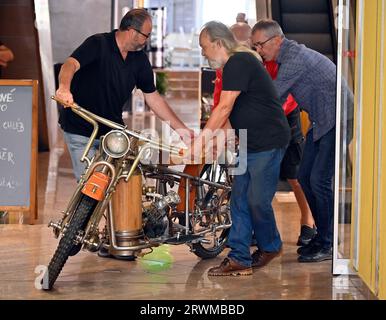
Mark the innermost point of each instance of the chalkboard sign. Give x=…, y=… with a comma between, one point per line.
x=18, y=146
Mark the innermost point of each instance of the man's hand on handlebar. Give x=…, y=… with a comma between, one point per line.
x=187, y=135
x=65, y=95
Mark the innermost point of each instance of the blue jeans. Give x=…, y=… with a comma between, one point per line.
x=76, y=145
x=251, y=206
x=316, y=177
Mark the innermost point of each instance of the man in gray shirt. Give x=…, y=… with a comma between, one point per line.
x=311, y=78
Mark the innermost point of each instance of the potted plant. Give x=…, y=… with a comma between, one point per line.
x=162, y=82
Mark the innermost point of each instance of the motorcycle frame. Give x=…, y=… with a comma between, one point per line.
x=116, y=177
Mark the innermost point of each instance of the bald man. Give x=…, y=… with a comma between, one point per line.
x=242, y=32
x=241, y=17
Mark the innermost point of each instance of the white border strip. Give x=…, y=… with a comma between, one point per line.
x=340, y=266
x=358, y=148
x=337, y=137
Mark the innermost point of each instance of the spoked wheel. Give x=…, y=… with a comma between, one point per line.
x=215, y=209
x=67, y=244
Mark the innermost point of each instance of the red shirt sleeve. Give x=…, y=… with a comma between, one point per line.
x=217, y=88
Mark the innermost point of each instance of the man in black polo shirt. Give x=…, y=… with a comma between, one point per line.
x=100, y=76
x=250, y=101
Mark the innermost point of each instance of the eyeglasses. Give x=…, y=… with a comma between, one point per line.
x=140, y=32
x=261, y=44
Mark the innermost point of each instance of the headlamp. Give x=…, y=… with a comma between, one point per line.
x=116, y=144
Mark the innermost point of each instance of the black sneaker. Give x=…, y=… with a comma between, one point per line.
x=312, y=246
x=317, y=256
x=306, y=235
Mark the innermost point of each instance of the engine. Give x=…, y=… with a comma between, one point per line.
x=155, y=220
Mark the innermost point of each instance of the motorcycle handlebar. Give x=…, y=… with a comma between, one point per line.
x=92, y=118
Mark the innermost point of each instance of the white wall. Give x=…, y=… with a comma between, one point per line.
x=225, y=11
x=72, y=21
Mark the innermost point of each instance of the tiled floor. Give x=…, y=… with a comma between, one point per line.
x=170, y=272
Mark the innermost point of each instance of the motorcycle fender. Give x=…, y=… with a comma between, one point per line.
x=96, y=186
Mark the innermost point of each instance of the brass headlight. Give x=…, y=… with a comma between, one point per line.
x=116, y=144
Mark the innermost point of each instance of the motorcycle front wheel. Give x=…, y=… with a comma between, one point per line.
x=67, y=242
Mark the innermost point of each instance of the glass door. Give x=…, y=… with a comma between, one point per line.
x=343, y=217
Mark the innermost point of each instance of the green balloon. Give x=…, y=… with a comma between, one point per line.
x=160, y=259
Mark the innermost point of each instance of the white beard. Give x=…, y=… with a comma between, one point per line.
x=215, y=64
x=140, y=48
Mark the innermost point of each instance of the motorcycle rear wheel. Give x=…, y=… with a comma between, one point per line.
x=205, y=251
x=209, y=252
x=66, y=244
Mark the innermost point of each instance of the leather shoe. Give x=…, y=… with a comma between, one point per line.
x=261, y=258
x=318, y=256
x=230, y=267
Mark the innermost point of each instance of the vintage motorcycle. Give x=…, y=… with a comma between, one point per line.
x=137, y=216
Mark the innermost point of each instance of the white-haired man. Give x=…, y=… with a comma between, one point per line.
x=249, y=101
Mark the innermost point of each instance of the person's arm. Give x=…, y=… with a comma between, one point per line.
x=220, y=114
x=162, y=110
x=288, y=75
x=66, y=74
x=87, y=53
x=234, y=82
x=219, y=119
x=6, y=55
